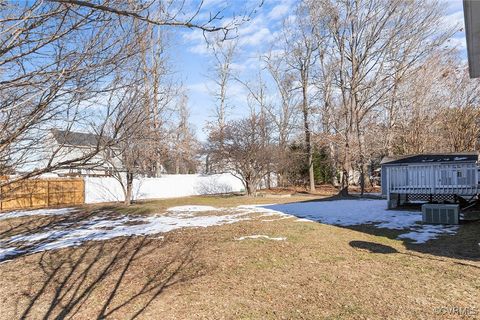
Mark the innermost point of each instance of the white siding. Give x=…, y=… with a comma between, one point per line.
x=458, y=178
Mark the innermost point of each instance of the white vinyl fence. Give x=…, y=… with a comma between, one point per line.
x=106, y=189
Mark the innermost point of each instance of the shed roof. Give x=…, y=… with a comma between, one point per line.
x=432, y=157
x=75, y=138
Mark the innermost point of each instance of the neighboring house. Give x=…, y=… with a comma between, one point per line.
x=450, y=177
x=67, y=145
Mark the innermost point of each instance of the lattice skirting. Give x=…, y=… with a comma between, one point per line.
x=433, y=197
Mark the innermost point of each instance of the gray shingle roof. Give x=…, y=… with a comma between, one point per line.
x=75, y=138
x=432, y=157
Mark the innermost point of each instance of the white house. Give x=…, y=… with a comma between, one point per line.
x=447, y=177
x=63, y=146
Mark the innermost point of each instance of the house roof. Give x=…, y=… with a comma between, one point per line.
x=75, y=138
x=432, y=157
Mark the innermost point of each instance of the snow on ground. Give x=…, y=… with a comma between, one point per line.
x=364, y=211
x=263, y=210
x=192, y=209
x=261, y=236
x=106, y=225
x=40, y=212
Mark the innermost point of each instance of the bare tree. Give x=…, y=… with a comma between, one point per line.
x=436, y=109
x=221, y=75
x=46, y=81
x=370, y=40
x=459, y=118
x=161, y=87
x=59, y=60
x=185, y=146
x=223, y=55
x=302, y=48
x=247, y=153
x=284, y=112
x=165, y=15
x=130, y=154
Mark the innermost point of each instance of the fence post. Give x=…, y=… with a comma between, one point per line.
x=31, y=197
x=48, y=193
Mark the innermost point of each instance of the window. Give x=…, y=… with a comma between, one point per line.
x=445, y=178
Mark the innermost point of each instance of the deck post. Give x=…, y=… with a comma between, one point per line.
x=388, y=183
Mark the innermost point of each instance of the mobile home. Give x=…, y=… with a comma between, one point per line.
x=449, y=177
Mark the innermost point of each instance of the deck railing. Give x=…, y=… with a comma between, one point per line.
x=460, y=179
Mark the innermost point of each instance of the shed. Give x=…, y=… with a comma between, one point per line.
x=445, y=177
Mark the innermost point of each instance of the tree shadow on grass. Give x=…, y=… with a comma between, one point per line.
x=463, y=244
x=118, y=279
x=373, y=247
x=378, y=248
x=34, y=224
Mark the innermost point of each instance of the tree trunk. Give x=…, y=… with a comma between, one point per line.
x=177, y=166
x=362, y=180
x=129, y=188
x=344, y=183
x=308, y=139
x=361, y=152
x=248, y=189
x=158, y=169
x=345, y=170
x=207, y=164
x=251, y=188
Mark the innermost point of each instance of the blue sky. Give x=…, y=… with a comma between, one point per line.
x=191, y=58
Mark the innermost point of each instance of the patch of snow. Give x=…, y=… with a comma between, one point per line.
x=39, y=212
x=105, y=227
x=192, y=209
x=264, y=210
x=303, y=220
x=428, y=232
x=6, y=253
x=261, y=236
x=281, y=218
x=365, y=211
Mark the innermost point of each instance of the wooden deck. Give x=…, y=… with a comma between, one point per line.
x=459, y=179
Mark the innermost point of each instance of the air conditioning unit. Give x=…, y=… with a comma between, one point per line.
x=440, y=213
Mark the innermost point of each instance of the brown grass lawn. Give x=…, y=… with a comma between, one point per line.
x=319, y=272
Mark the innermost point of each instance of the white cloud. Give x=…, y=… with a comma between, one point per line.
x=193, y=35
x=455, y=19
x=212, y=3
x=261, y=36
x=201, y=49
x=458, y=43
x=237, y=67
x=200, y=87
x=278, y=11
